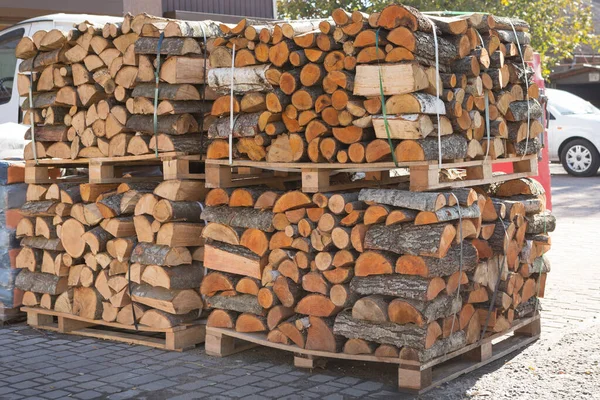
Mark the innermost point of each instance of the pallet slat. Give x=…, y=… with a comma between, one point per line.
x=412, y=375
x=176, y=338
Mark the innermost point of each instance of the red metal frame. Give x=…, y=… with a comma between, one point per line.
x=543, y=161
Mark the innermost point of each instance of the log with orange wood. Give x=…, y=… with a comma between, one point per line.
x=314, y=92
x=126, y=253
x=93, y=88
x=375, y=271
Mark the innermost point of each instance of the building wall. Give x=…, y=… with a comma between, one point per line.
x=13, y=12
x=248, y=8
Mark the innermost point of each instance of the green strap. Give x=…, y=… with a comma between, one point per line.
x=157, y=80
x=383, y=110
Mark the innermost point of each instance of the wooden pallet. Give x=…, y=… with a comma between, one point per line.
x=177, y=338
x=11, y=315
x=413, y=376
x=317, y=177
x=110, y=169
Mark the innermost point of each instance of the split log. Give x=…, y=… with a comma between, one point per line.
x=407, y=287
x=240, y=218
x=408, y=335
x=432, y=241
x=171, y=301
x=243, y=303
x=150, y=254
x=40, y=283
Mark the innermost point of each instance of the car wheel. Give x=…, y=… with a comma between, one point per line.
x=580, y=158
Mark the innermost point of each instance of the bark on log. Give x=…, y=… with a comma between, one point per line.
x=245, y=79
x=240, y=217
x=148, y=253
x=170, y=46
x=245, y=125
x=408, y=335
x=169, y=124
x=541, y=223
x=453, y=147
x=178, y=277
x=243, y=303
x=422, y=201
x=421, y=313
x=40, y=283
x=429, y=267
x=407, y=287
x=432, y=241
x=171, y=301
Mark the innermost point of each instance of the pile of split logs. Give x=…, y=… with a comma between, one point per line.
x=376, y=271
x=313, y=90
x=93, y=88
x=117, y=252
x=12, y=197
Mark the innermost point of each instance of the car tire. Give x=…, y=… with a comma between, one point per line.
x=580, y=158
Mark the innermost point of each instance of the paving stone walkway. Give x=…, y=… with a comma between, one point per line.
x=45, y=365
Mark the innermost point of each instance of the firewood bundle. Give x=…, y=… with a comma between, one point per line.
x=312, y=90
x=94, y=250
x=94, y=87
x=12, y=197
x=376, y=271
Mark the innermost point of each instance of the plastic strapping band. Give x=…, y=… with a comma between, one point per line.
x=498, y=280
x=437, y=88
x=537, y=302
x=203, y=94
x=157, y=80
x=231, y=120
x=461, y=262
x=487, y=122
x=526, y=85
x=383, y=109
x=487, y=107
x=32, y=118
x=204, y=266
x=135, y=322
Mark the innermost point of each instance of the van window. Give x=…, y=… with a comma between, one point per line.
x=8, y=62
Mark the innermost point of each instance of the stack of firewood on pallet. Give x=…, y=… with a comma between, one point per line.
x=93, y=88
x=113, y=251
x=12, y=197
x=376, y=271
x=313, y=90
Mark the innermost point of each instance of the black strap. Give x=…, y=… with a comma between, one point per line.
x=135, y=322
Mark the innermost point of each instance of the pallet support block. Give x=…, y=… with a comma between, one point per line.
x=530, y=330
x=175, y=169
x=308, y=361
x=184, y=339
x=218, y=345
x=411, y=377
x=36, y=174
x=217, y=176
x=480, y=353
x=39, y=320
x=315, y=180
x=98, y=173
x=66, y=325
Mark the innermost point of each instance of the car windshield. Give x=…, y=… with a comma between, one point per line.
x=569, y=104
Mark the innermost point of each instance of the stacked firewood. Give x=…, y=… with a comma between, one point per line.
x=12, y=197
x=93, y=88
x=85, y=253
x=376, y=271
x=313, y=90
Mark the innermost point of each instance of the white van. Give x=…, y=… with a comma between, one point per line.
x=10, y=113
